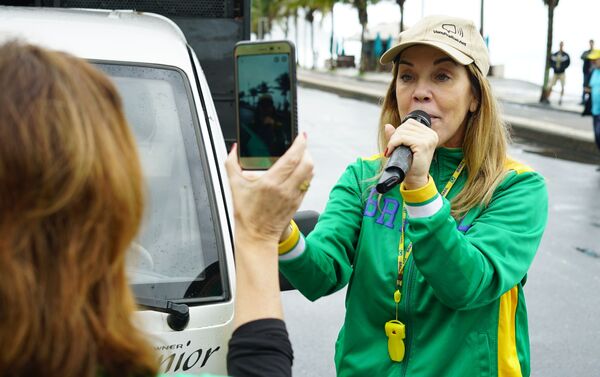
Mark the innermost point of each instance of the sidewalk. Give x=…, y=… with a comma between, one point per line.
x=554, y=124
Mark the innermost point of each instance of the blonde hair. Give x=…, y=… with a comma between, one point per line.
x=484, y=147
x=71, y=201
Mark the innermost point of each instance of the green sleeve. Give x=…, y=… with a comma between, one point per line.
x=325, y=264
x=475, y=268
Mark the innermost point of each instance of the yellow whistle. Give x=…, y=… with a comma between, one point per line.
x=395, y=332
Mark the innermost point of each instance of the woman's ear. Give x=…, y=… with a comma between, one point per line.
x=473, y=105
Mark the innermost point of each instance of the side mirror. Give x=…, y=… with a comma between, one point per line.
x=306, y=221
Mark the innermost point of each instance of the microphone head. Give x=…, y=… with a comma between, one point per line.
x=420, y=116
x=388, y=181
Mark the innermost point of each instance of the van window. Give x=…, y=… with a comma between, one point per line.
x=176, y=256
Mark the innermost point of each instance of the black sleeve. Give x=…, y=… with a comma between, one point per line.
x=260, y=348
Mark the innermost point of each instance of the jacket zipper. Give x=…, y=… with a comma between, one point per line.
x=409, y=330
x=408, y=285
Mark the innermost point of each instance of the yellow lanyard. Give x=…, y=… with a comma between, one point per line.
x=395, y=329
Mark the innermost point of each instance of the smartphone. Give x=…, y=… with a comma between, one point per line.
x=265, y=80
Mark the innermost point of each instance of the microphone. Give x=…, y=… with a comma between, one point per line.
x=401, y=159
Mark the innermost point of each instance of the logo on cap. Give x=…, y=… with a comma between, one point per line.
x=452, y=29
x=452, y=32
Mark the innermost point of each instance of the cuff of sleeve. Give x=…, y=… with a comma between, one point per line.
x=422, y=202
x=289, y=243
x=421, y=195
x=296, y=251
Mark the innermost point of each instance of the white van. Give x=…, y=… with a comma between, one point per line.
x=181, y=266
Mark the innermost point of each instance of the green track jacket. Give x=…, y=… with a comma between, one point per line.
x=462, y=296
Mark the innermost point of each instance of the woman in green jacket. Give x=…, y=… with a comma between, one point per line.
x=435, y=269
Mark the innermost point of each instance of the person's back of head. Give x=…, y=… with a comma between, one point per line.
x=71, y=201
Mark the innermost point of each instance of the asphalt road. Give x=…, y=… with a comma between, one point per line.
x=563, y=288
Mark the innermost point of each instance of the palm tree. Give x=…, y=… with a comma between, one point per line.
x=263, y=88
x=283, y=83
x=253, y=94
x=288, y=8
x=361, y=7
x=311, y=7
x=331, y=43
x=291, y=8
x=401, y=5
x=310, y=17
x=265, y=11
x=551, y=4
x=281, y=10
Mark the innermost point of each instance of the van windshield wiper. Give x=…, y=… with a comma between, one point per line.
x=178, y=314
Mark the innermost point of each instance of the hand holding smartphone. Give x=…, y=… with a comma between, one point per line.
x=265, y=77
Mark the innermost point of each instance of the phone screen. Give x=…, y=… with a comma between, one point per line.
x=264, y=106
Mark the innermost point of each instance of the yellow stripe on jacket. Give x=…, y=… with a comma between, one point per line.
x=508, y=359
x=511, y=164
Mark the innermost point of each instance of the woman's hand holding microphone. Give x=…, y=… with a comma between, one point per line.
x=422, y=141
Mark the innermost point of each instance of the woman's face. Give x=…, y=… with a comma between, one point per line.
x=431, y=81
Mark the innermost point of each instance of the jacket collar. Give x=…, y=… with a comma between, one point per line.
x=449, y=157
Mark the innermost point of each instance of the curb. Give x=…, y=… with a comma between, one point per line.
x=529, y=129
x=344, y=90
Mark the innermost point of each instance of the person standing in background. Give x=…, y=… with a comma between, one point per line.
x=587, y=70
x=593, y=89
x=559, y=62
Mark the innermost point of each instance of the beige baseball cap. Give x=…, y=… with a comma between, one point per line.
x=457, y=37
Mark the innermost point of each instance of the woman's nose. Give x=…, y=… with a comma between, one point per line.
x=422, y=92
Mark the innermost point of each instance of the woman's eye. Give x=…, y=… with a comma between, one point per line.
x=405, y=77
x=442, y=77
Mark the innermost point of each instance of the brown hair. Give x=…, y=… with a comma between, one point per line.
x=484, y=147
x=71, y=201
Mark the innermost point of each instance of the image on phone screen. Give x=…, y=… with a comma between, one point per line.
x=265, y=105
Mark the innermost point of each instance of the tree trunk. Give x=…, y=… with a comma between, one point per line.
x=545, y=92
x=296, y=32
x=402, y=17
x=312, y=44
x=310, y=18
x=362, y=66
x=401, y=5
x=481, y=19
x=361, y=5
x=331, y=47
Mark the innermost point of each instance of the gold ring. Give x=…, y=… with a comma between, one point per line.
x=304, y=186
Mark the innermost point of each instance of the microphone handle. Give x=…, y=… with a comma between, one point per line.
x=401, y=158
x=398, y=165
